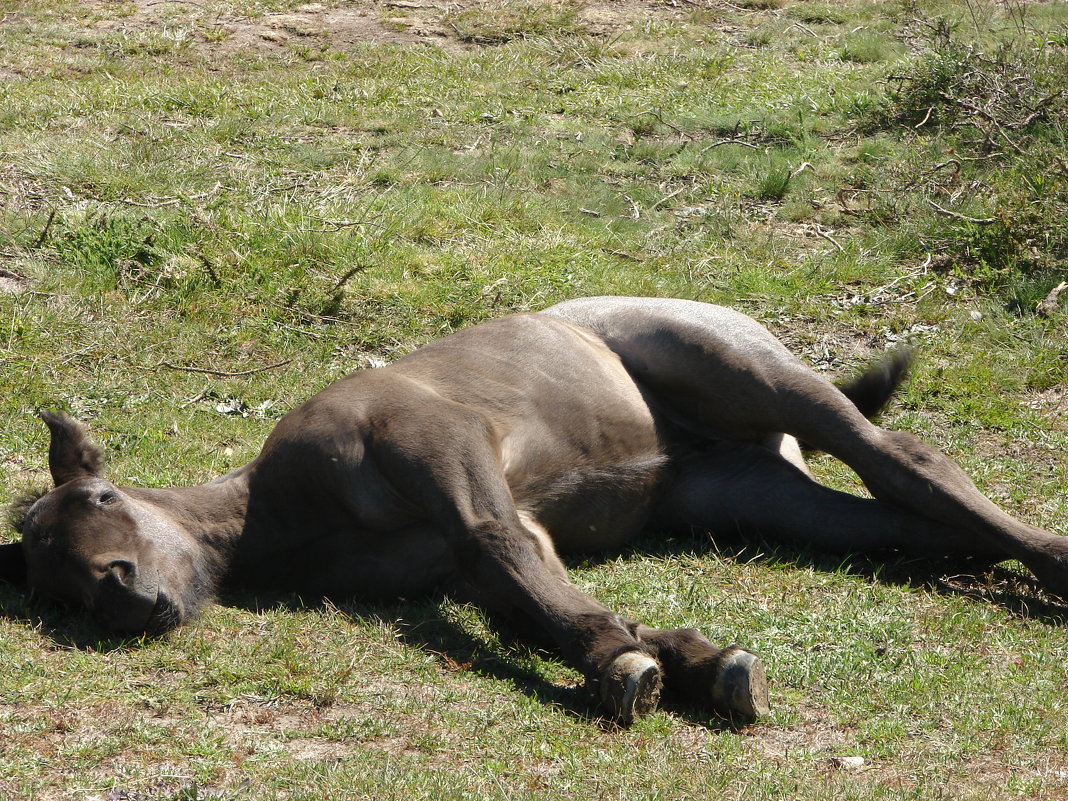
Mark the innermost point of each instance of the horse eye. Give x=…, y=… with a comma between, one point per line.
x=106, y=498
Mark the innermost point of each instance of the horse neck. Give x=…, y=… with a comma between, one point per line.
x=213, y=514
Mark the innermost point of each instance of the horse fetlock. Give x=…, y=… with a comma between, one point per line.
x=630, y=687
x=740, y=689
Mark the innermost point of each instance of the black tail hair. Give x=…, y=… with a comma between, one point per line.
x=872, y=389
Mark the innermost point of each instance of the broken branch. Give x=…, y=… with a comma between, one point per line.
x=1048, y=305
x=962, y=217
x=224, y=373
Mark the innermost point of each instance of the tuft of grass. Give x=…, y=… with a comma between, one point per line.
x=869, y=48
x=499, y=22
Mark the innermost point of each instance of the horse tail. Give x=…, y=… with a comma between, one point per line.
x=873, y=388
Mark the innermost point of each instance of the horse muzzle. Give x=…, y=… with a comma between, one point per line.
x=127, y=598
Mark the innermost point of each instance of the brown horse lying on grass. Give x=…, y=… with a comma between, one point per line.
x=466, y=465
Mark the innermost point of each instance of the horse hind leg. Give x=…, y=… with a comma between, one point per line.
x=909, y=474
x=904, y=470
x=749, y=488
x=722, y=375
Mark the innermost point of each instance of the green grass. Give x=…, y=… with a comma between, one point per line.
x=231, y=185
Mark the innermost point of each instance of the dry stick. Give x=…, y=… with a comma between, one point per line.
x=311, y=334
x=665, y=198
x=659, y=114
x=951, y=163
x=224, y=373
x=962, y=217
x=44, y=231
x=1047, y=306
x=156, y=204
x=830, y=239
x=986, y=115
x=721, y=142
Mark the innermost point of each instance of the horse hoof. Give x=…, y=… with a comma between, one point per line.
x=630, y=688
x=740, y=691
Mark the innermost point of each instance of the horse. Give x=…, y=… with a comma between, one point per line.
x=469, y=465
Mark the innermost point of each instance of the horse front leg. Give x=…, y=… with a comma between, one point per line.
x=503, y=556
x=513, y=570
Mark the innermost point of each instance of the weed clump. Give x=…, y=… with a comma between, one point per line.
x=105, y=249
x=499, y=22
x=1017, y=88
x=997, y=202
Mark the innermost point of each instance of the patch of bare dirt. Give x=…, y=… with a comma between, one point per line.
x=342, y=26
x=813, y=736
x=836, y=348
x=817, y=740
x=11, y=283
x=1051, y=404
x=314, y=26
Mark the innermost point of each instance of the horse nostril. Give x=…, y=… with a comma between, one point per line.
x=122, y=569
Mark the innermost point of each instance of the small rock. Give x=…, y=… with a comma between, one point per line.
x=846, y=763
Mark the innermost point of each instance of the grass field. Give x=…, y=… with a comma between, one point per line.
x=279, y=193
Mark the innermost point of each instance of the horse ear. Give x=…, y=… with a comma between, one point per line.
x=12, y=563
x=70, y=455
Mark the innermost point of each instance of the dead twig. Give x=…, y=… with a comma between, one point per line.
x=337, y=225
x=303, y=331
x=659, y=115
x=829, y=238
x=950, y=163
x=1048, y=305
x=722, y=142
x=47, y=226
x=961, y=217
x=666, y=198
x=224, y=373
x=344, y=279
x=156, y=204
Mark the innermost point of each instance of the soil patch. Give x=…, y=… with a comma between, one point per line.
x=320, y=27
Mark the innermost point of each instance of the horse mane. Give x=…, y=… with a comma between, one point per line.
x=15, y=514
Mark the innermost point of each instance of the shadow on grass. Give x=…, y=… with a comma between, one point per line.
x=514, y=653
x=65, y=625
x=1000, y=584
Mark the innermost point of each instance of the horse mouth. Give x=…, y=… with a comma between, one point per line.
x=165, y=615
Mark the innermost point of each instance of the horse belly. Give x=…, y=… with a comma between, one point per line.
x=591, y=508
